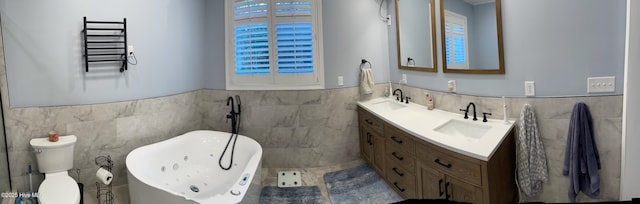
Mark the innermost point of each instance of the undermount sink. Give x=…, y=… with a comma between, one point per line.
x=388, y=105
x=468, y=129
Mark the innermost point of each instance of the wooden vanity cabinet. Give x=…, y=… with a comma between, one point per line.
x=371, y=140
x=418, y=169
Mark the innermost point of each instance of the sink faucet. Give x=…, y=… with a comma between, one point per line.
x=398, y=98
x=466, y=111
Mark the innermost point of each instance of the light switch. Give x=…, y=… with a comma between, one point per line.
x=601, y=84
x=452, y=85
x=529, y=88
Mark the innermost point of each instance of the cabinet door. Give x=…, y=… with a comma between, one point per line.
x=366, y=144
x=461, y=191
x=432, y=184
x=378, y=152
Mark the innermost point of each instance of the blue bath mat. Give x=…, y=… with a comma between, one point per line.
x=360, y=184
x=303, y=194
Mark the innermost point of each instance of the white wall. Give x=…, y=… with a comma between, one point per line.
x=629, y=179
x=558, y=44
x=44, y=59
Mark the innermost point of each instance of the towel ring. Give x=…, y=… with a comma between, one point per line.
x=364, y=62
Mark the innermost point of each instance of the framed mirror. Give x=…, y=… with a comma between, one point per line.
x=416, y=35
x=471, y=32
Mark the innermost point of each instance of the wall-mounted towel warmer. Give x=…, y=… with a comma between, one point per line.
x=105, y=42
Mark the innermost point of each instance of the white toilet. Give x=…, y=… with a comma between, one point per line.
x=54, y=160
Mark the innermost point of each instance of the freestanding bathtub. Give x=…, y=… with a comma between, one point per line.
x=185, y=169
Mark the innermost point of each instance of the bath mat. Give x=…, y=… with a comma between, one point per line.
x=303, y=194
x=360, y=184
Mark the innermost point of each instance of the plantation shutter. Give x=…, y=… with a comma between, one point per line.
x=294, y=37
x=251, y=37
x=274, y=44
x=294, y=41
x=456, y=41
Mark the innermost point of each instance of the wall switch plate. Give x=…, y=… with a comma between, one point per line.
x=130, y=50
x=529, y=88
x=340, y=81
x=404, y=79
x=601, y=84
x=452, y=85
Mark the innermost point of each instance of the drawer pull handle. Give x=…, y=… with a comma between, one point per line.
x=446, y=191
x=368, y=121
x=397, y=172
x=396, y=156
x=396, y=140
x=396, y=184
x=442, y=164
x=440, y=187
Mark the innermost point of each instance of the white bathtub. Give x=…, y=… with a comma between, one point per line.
x=168, y=171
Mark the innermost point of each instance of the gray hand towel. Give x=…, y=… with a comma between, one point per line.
x=581, y=158
x=531, y=157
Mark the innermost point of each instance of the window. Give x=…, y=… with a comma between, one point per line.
x=457, y=50
x=274, y=44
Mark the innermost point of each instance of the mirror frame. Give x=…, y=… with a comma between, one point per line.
x=434, y=50
x=500, y=70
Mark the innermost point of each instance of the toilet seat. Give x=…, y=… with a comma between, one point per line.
x=58, y=188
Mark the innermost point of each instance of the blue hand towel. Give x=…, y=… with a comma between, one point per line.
x=581, y=159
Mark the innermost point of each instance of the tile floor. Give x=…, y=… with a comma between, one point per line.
x=310, y=176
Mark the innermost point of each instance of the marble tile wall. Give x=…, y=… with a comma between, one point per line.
x=295, y=128
x=553, y=116
x=102, y=129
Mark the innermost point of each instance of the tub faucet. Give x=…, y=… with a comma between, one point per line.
x=400, y=97
x=233, y=110
x=466, y=111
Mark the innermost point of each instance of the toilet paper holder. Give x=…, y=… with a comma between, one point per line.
x=104, y=193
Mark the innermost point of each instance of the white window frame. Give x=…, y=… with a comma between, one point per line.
x=273, y=80
x=453, y=17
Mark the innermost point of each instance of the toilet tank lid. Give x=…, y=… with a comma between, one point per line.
x=44, y=143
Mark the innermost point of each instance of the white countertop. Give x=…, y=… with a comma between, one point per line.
x=420, y=122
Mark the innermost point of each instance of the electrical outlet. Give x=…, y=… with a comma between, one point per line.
x=529, y=88
x=130, y=50
x=340, y=81
x=601, y=84
x=388, y=20
x=452, y=85
x=404, y=79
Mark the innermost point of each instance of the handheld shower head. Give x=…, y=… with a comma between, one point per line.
x=239, y=103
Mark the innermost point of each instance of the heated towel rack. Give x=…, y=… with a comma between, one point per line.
x=105, y=42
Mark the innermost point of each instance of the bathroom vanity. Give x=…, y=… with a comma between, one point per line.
x=433, y=154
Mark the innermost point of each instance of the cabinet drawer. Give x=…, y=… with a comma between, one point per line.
x=464, y=170
x=400, y=157
x=405, y=185
x=367, y=119
x=399, y=171
x=400, y=139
